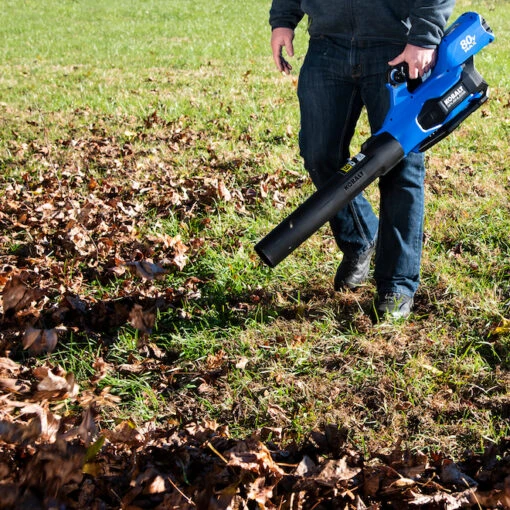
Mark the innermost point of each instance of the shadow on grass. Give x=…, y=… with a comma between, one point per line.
x=241, y=310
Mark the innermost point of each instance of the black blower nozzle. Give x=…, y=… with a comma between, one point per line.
x=378, y=156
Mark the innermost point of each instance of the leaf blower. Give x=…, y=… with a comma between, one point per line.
x=421, y=113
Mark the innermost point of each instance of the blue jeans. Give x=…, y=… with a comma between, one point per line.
x=336, y=80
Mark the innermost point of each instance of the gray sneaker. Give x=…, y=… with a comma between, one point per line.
x=393, y=306
x=353, y=270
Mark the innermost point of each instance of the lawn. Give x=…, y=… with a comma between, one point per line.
x=145, y=148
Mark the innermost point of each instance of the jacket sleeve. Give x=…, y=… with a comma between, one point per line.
x=285, y=13
x=428, y=20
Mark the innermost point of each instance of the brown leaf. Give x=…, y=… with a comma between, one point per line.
x=260, y=491
x=44, y=426
x=50, y=424
x=56, y=387
x=408, y=464
x=92, y=184
x=54, y=466
x=443, y=500
x=131, y=368
x=14, y=385
x=81, y=240
x=215, y=361
x=17, y=295
x=252, y=455
x=40, y=340
x=141, y=319
x=494, y=498
x=18, y=433
x=334, y=471
x=147, y=269
x=223, y=192
x=85, y=430
x=125, y=433
x=278, y=414
x=101, y=369
x=376, y=478
x=9, y=366
x=179, y=252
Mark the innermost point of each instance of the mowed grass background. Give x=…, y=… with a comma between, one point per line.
x=285, y=351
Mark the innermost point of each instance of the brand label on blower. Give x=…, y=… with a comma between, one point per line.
x=355, y=178
x=455, y=97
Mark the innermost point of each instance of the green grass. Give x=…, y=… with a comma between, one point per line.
x=170, y=98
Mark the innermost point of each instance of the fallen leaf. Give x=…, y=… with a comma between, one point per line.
x=86, y=430
x=223, y=192
x=141, y=319
x=17, y=295
x=38, y=341
x=101, y=370
x=334, y=471
x=305, y=467
x=242, y=362
x=252, y=455
x=56, y=387
x=125, y=433
x=503, y=328
x=14, y=385
x=147, y=269
x=10, y=366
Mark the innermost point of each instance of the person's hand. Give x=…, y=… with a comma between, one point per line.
x=282, y=38
x=419, y=60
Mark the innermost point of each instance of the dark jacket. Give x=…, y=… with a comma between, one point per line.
x=418, y=22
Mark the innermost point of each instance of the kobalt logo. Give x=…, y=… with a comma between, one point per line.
x=455, y=97
x=354, y=180
x=468, y=42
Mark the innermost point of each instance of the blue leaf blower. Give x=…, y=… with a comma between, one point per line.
x=421, y=114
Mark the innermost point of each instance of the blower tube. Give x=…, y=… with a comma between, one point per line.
x=379, y=154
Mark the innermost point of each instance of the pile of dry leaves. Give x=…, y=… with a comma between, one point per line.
x=49, y=461
x=91, y=208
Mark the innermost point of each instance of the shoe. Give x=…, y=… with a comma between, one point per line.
x=393, y=306
x=353, y=270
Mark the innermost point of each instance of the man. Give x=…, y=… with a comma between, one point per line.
x=352, y=44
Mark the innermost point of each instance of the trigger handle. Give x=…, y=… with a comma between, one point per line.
x=400, y=74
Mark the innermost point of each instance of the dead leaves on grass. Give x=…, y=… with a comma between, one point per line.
x=91, y=207
x=26, y=307
x=80, y=213
x=201, y=466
